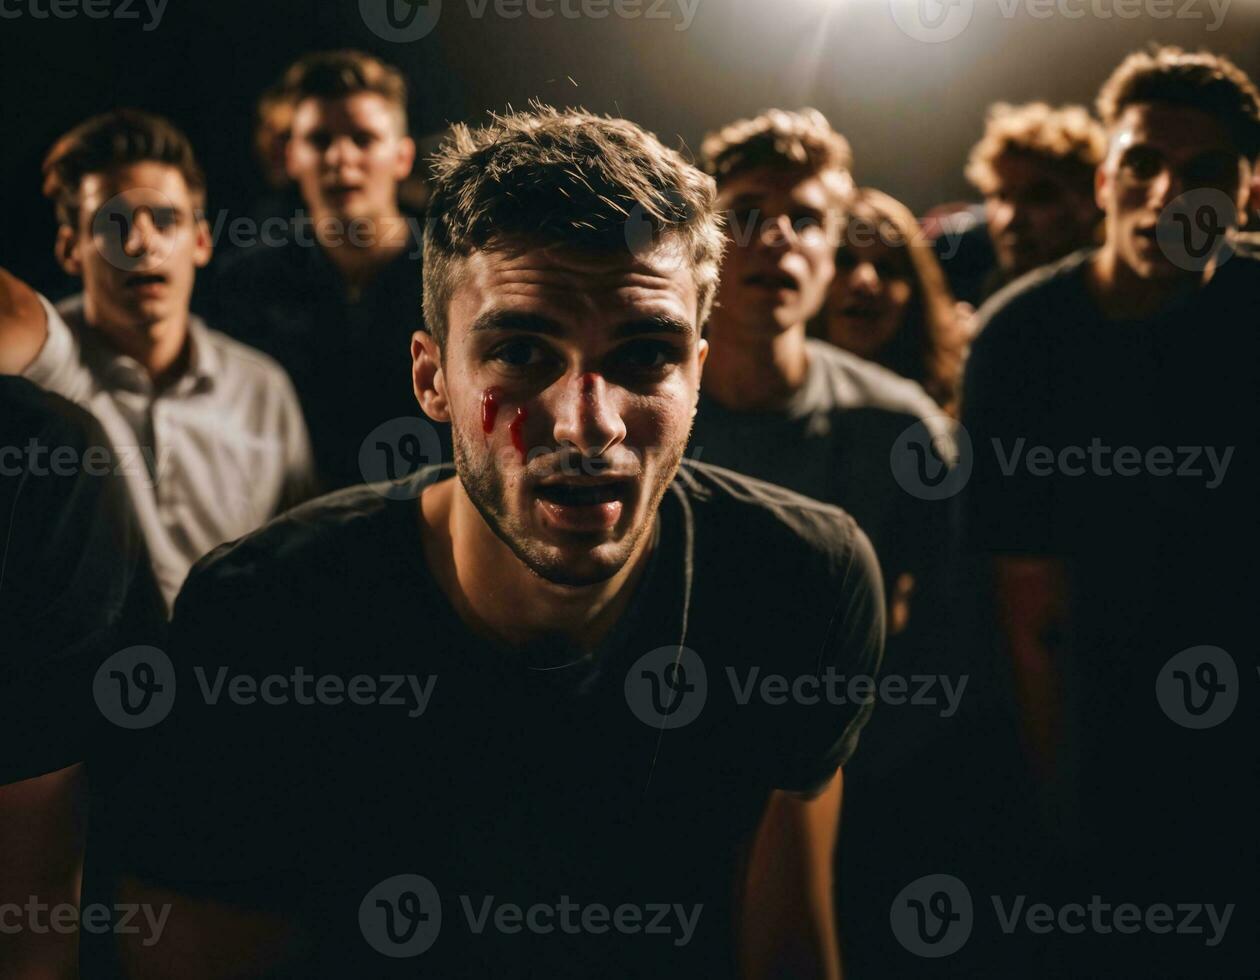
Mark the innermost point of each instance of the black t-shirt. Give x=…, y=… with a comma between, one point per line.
x=1127, y=449
x=537, y=777
x=350, y=360
x=75, y=581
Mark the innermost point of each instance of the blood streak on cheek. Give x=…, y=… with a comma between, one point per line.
x=489, y=409
x=518, y=437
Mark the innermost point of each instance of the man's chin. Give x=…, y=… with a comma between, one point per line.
x=575, y=566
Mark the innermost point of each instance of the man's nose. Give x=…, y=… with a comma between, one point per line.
x=1165, y=188
x=340, y=150
x=140, y=233
x=1003, y=217
x=778, y=233
x=586, y=417
x=865, y=277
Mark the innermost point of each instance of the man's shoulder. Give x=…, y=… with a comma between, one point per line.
x=761, y=519
x=258, y=371
x=304, y=553
x=856, y=383
x=1031, y=305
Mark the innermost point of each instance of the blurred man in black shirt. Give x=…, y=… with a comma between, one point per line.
x=336, y=301
x=1114, y=487
x=75, y=587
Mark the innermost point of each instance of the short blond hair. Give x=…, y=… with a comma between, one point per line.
x=802, y=140
x=1067, y=138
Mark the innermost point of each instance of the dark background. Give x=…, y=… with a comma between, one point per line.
x=911, y=109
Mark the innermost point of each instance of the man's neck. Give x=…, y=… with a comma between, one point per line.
x=763, y=372
x=359, y=256
x=1123, y=295
x=163, y=349
x=497, y=596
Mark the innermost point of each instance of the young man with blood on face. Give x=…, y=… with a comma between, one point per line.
x=586, y=611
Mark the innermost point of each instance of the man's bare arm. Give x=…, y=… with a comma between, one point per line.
x=23, y=324
x=202, y=939
x=1032, y=609
x=41, y=857
x=787, y=923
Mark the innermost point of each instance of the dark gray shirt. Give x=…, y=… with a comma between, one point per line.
x=833, y=442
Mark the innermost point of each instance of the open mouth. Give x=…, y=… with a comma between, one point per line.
x=577, y=494
x=145, y=280
x=583, y=505
x=860, y=311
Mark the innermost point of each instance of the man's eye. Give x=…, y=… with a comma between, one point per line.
x=1143, y=164
x=803, y=221
x=165, y=219
x=647, y=355
x=519, y=353
x=364, y=140
x=1211, y=170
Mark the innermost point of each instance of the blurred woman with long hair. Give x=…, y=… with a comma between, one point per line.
x=889, y=301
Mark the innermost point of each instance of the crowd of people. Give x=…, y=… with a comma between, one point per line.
x=584, y=443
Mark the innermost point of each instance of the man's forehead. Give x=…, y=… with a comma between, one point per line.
x=764, y=183
x=569, y=281
x=1174, y=130
x=359, y=109
x=148, y=181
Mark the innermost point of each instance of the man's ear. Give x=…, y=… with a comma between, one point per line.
x=702, y=353
x=1102, y=186
x=66, y=248
x=203, y=248
x=406, y=159
x=427, y=377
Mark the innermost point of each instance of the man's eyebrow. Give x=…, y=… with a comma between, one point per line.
x=508, y=320
x=659, y=323
x=747, y=199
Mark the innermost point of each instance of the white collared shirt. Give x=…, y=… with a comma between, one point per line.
x=209, y=457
